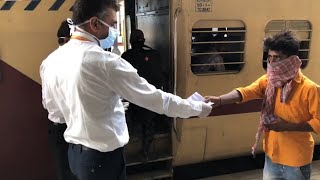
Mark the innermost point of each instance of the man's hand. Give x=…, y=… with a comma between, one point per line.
x=229, y=98
x=215, y=99
x=279, y=125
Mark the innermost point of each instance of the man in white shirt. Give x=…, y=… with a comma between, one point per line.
x=57, y=125
x=83, y=83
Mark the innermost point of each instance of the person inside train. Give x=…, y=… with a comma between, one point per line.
x=84, y=83
x=207, y=62
x=147, y=61
x=57, y=125
x=290, y=110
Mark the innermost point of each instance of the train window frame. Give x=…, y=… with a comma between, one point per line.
x=304, y=34
x=226, y=51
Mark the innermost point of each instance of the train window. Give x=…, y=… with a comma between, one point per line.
x=217, y=47
x=303, y=31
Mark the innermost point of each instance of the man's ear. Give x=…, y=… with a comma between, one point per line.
x=94, y=24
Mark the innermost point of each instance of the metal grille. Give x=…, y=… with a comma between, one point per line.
x=217, y=50
x=303, y=31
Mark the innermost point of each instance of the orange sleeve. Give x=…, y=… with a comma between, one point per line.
x=314, y=109
x=253, y=91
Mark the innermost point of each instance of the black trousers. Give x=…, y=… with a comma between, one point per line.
x=90, y=164
x=59, y=148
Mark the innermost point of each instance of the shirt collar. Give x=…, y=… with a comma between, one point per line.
x=298, y=78
x=87, y=35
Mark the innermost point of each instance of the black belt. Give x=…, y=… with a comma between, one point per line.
x=82, y=147
x=56, y=124
x=85, y=148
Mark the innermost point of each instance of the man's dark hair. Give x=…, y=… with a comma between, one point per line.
x=285, y=42
x=64, y=30
x=85, y=9
x=63, y=33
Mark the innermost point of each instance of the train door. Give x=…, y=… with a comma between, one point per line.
x=152, y=17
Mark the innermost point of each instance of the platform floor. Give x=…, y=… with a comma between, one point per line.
x=257, y=174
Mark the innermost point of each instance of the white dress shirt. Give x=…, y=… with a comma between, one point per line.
x=83, y=83
x=54, y=114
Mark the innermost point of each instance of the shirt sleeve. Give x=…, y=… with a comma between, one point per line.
x=128, y=84
x=54, y=114
x=314, y=109
x=255, y=90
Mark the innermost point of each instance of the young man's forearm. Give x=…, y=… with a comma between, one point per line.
x=231, y=97
x=305, y=127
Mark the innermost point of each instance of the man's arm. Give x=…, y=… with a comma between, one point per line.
x=229, y=98
x=253, y=91
x=54, y=113
x=313, y=125
x=282, y=125
x=125, y=81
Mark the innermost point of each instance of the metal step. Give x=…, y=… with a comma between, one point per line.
x=155, y=157
x=160, y=150
x=158, y=174
x=158, y=163
x=134, y=139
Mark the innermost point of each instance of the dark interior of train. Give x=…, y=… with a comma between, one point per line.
x=152, y=17
x=222, y=48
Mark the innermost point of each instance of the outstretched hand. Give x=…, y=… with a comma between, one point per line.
x=216, y=100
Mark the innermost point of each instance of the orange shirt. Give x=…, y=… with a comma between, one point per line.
x=290, y=148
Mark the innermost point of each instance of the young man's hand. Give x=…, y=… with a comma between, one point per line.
x=216, y=100
x=279, y=125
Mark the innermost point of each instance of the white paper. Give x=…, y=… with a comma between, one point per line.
x=197, y=97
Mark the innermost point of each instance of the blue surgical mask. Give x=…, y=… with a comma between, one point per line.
x=109, y=41
x=104, y=43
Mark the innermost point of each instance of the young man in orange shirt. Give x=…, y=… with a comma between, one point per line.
x=290, y=110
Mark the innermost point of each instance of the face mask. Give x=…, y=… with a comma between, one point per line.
x=104, y=43
x=109, y=41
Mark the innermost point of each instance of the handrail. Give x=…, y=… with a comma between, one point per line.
x=215, y=53
x=210, y=64
x=218, y=42
x=175, y=64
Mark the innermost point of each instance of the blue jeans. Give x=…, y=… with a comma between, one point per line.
x=274, y=171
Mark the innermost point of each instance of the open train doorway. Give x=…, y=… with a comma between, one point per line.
x=149, y=152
